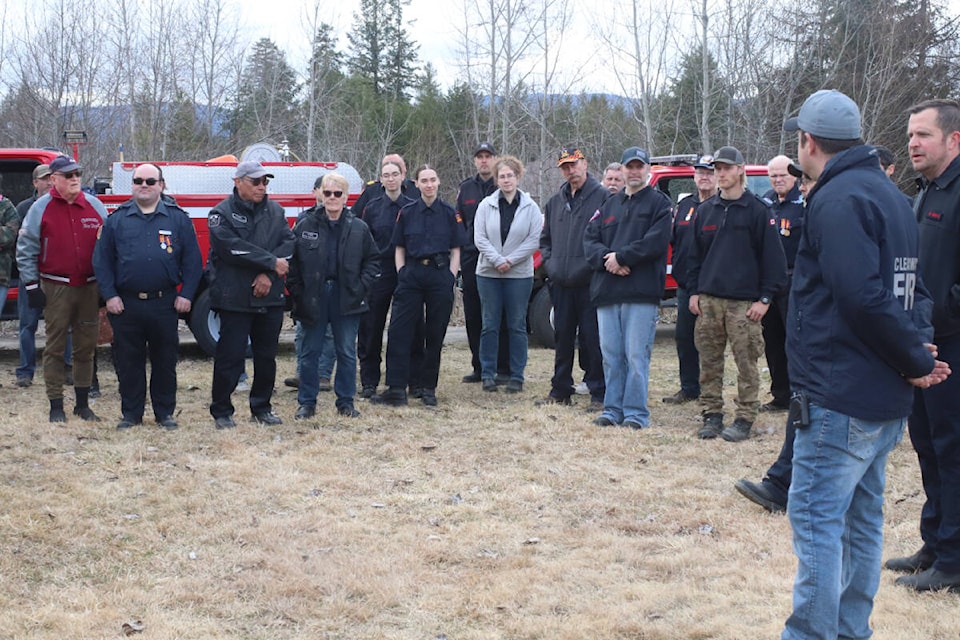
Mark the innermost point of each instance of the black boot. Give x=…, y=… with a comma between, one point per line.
x=83, y=408
x=56, y=411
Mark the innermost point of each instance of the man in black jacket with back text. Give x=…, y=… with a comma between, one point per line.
x=250, y=248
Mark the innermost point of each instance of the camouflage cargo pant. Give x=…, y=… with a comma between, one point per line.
x=722, y=321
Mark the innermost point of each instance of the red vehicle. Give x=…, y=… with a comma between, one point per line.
x=197, y=187
x=672, y=175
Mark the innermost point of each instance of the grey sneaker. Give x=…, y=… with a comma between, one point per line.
x=712, y=426
x=738, y=431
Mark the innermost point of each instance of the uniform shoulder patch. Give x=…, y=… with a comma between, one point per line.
x=213, y=220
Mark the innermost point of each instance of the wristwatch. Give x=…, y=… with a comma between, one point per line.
x=765, y=299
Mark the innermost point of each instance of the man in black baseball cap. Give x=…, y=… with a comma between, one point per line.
x=737, y=266
x=472, y=191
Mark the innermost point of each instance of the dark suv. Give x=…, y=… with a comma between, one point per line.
x=672, y=175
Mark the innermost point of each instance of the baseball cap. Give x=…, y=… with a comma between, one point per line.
x=63, y=164
x=570, y=154
x=827, y=114
x=41, y=171
x=795, y=170
x=728, y=155
x=704, y=162
x=251, y=169
x=485, y=146
x=634, y=153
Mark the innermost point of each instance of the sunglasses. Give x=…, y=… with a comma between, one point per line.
x=150, y=181
x=259, y=181
x=335, y=194
x=69, y=175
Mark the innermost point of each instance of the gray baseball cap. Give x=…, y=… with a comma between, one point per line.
x=251, y=169
x=827, y=114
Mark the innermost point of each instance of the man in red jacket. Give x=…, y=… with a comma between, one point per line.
x=55, y=257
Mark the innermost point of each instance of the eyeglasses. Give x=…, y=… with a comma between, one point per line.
x=259, y=181
x=335, y=194
x=150, y=181
x=69, y=175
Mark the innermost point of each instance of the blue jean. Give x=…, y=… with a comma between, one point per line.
x=328, y=353
x=626, y=341
x=501, y=297
x=836, y=512
x=27, y=334
x=344, y=329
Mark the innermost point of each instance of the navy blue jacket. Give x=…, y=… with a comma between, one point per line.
x=147, y=253
x=380, y=214
x=858, y=316
x=938, y=211
x=472, y=191
x=427, y=231
x=637, y=229
x=736, y=252
x=565, y=219
x=681, y=238
x=788, y=216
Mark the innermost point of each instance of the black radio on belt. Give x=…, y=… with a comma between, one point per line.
x=799, y=417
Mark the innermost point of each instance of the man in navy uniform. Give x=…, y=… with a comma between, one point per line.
x=146, y=249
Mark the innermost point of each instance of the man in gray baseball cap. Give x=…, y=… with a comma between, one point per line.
x=854, y=361
x=250, y=247
x=251, y=169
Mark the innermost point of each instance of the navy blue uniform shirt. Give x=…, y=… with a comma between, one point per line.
x=788, y=216
x=425, y=231
x=147, y=253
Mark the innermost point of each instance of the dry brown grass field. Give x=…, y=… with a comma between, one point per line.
x=485, y=518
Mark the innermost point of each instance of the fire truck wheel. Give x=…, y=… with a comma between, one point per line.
x=205, y=324
x=540, y=318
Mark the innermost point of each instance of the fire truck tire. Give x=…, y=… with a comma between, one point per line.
x=540, y=318
x=205, y=324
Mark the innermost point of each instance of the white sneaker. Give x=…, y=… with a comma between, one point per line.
x=581, y=389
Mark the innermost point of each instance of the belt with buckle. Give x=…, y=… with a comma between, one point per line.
x=427, y=262
x=150, y=295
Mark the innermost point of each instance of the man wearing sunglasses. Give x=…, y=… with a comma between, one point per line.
x=55, y=256
x=250, y=247
x=147, y=248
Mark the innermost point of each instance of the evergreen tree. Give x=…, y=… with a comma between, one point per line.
x=266, y=107
x=381, y=50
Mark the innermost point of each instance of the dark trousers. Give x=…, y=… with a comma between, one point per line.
x=419, y=287
x=935, y=432
x=575, y=316
x=687, y=352
x=775, y=346
x=146, y=327
x=370, y=336
x=263, y=330
x=781, y=471
x=473, y=315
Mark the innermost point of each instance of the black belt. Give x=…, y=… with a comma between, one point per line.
x=148, y=295
x=437, y=261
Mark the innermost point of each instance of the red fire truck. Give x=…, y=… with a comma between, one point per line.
x=197, y=187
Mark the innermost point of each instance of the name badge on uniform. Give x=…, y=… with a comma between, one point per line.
x=309, y=235
x=239, y=218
